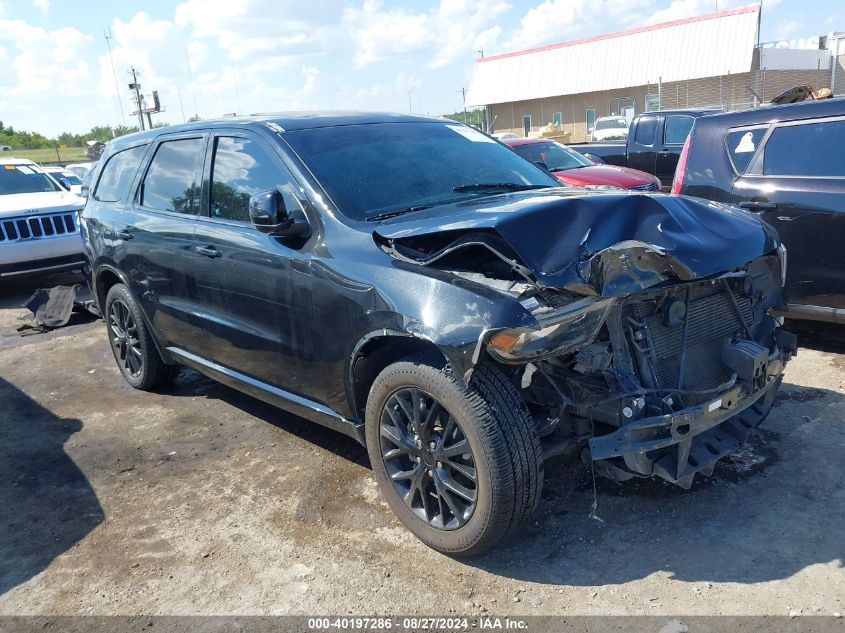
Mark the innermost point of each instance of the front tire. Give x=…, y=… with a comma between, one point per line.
x=461, y=467
x=131, y=342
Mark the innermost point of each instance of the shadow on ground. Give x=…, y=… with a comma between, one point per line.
x=191, y=383
x=771, y=509
x=47, y=503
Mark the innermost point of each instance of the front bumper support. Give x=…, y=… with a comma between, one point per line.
x=678, y=445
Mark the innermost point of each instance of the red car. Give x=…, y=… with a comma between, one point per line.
x=573, y=168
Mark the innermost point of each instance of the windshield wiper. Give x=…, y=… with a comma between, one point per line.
x=496, y=186
x=393, y=214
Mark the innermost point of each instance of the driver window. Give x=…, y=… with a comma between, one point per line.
x=240, y=168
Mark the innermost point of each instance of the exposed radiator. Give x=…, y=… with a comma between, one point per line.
x=712, y=320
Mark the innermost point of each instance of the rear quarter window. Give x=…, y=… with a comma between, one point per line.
x=646, y=130
x=114, y=182
x=741, y=145
x=676, y=129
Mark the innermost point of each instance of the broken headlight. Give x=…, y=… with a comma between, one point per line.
x=557, y=333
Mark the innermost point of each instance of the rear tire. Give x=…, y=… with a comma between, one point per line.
x=493, y=432
x=131, y=342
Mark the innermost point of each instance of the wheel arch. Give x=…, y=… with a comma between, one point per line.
x=373, y=353
x=108, y=276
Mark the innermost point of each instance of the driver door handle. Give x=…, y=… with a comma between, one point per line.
x=209, y=251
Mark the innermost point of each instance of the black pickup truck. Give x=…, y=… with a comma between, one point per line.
x=785, y=163
x=654, y=143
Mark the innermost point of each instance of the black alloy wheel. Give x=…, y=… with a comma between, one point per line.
x=131, y=342
x=460, y=464
x=428, y=459
x=124, y=338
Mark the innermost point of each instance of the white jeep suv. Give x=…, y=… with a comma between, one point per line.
x=39, y=221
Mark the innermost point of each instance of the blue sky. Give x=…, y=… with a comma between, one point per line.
x=264, y=55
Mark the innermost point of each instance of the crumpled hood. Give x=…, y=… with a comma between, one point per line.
x=14, y=204
x=599, y=243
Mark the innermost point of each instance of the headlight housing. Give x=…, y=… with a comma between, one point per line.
x=782, y=256
x=558, y=333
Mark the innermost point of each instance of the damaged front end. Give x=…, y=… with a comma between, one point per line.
x=675, y=379
x=638, y=350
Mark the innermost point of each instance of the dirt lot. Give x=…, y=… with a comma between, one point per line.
x=200, y=500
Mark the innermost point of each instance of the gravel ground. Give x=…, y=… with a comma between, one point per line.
x=200, y=500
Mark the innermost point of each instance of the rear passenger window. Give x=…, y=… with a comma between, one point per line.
x=241, y=168
x=117, y=174
x=677, y=129
x=742, y=144
x=170, y=183
x=646, y=129
x=813, y=149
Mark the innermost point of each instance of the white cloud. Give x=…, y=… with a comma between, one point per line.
x=310, y=73
x=45, y=61
x=680, y=9
x=558, y=20
x=245, y=29
x=788, y=28
x=42, y=5
x=453, y=30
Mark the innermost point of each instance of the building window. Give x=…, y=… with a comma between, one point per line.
x=591, y=120
x=557, y=119
x=526, y=124
x=652, y=102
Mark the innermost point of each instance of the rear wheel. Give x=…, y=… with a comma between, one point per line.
x=461, y=467
x=131, y=342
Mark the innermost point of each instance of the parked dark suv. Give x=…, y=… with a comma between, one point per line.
x=418, y=286
x=787, y=164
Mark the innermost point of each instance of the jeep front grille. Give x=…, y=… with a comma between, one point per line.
x=712, y=319
x=37, y=226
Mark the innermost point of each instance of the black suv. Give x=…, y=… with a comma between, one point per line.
x=786, y=163
x=418, y=286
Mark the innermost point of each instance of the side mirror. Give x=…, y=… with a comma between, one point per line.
x=268, y=214
x=64, y=182
x=598, y=160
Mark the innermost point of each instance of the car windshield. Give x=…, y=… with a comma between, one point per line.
x=71, y=177
x=606, y=124
x=381, y=169
x=554, y=156
x=24, y=179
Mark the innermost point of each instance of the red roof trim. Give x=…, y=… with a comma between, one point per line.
x=652, y=27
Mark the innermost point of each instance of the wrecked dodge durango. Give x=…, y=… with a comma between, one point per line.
x=416, y=285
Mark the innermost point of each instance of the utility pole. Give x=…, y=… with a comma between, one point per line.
x=136, y=87
x=463, y=92
x=107, y=35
